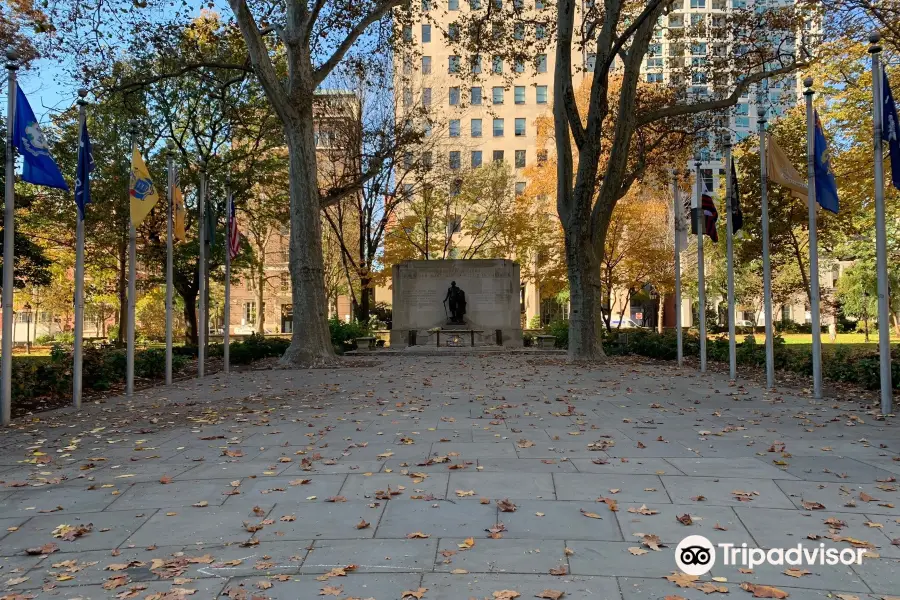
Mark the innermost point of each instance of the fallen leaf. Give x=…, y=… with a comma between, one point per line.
x=559, y=571
x=363, y=524
x=331, y=591
x=638, y=551
x=505, y=595
x=682, y=580
x=417, y=535
x=16, y=581
x=797, y=572
x=416, y=594
x=115, y=581
x=685, y=519
x=809, y=505
x=458, y=572
x=643, y=510
x=506, y=505
x=165, y=479
x=550, y=594
x=201, y=504
x=467, y=543
x=590, y=515
x=764, y=591
x=48, y=548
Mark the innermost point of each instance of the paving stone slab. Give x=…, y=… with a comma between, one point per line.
x=719, y=491
x=280, y=489
x=590, y=486
x=498, y=485
x=561, y=449
x=657, y=589
x=322, y=520
x=232, y=471
x=742, y=467
x=501, y=556
x=355, y=585
x=55, y=569
x=525, y=465
x=436, y=519
x=882, y=462
x=201, y=454
x=372, y=556
x=34, y=500
x=7, y=524
x=833, y=469
x=462, y=587
x=652, y=449
x=474, y=450
x=843, y=497
x=631, y=466
x=134, y=473
x=110, y=529
x=264, y=559
x=211, y=525
x=704, y=518
x=181, y=493
x=205, y=589
x=561, y=520
x=366, y=487
x=613, y=559
x=881, y=575
x=820, y=577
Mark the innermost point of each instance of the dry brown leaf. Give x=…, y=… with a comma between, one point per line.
x=201, y=504
x=810, y=505
x=590, y=515
x=764, y=591
x=685, y=519
x=416, y=594
x=165, y=479
x=559, y=571
x=550, y=594
x=467, y=543
x=711, y=588
x=363, y=524
x=506, y=505
x=796, y=572
x=115, y=581
x=637, y=551
x=263, y=584
x=505, y=595
x=643, y=510
x=331, y=590
x=417, y=535
x=458, y=572
x=682, y=579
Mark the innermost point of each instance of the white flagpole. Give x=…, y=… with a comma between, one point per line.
x=767, y=267
x=201, y=318
x=170, y=160
x=9, y=234
x=78, y=348
x=884, y=327
x=701, y=268
x=132, y=284
x=729, y=258
x=679, y=218
x=813, y=241
x=226, y=326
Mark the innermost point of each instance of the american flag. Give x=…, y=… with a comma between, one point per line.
x=234, y=235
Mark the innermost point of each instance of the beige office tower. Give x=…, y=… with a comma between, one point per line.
x=487, y=108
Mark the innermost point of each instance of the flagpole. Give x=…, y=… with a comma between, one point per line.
x=701, y=269
x=9, y=233
x=201, y=318
x=729, y=258
x=813, y=241
x=170, y=160
x=767, y=267
x=226, y=338
x=884, y=328
x=132, y=285
x=678, y=207
x=78, y=348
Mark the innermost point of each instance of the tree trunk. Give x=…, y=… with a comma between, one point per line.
x=311, y=339
x=123, y=298
x=365, y=300
x=260, y=299
x=660, y=313
x=584, y=297
x=190, y=318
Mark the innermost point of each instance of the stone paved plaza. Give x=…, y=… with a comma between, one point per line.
x=383, y=477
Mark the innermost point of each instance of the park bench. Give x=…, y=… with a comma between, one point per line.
x=546, y=341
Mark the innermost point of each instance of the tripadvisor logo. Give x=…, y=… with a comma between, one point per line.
x=696, y=555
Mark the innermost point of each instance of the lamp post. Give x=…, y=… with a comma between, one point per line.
x=26, y=314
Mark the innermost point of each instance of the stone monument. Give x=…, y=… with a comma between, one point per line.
x=456, y=302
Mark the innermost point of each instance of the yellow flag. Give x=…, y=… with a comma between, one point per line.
x=178, y=197
x=782, y=172
x=142, y=191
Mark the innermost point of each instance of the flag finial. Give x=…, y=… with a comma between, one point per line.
x=874, y=41
x=808, y=82
x=170, y=146
x=82, y=94
x=12, y=56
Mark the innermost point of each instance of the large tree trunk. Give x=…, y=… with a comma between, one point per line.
x=190, y=317
x=584, y=297
x=310, y=340
x=364, y=308
x=660, y=313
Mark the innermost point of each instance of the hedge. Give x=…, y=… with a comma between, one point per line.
x=842, y=365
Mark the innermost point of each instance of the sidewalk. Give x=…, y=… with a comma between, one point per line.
x=384, y=478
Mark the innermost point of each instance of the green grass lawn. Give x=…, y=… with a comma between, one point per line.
x=856, y=342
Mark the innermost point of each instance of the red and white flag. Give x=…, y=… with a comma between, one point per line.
x=234, y=234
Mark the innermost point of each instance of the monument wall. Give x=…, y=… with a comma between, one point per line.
x=492, y=289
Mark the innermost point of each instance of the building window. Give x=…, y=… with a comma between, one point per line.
x=476, y=158
x=542, y=94
x=454, y=96
x=454, y=224
x=520, y=94
x=476, y=96
x=427, y=159
x=540, y=32
x=476, y=128
x=497, y=65
x=476, y=63
x=498, y=4
x=285, y=282
x=654, y=77
x=590, y=62
x=454, y=159
x=520, y=188
x=454, y=128
x=498, y=127
x=407, y=65
x=519, y=31
x=452, y=4
x=426, y=5
x=474, y=4
x=407, y=98
x=250, y=312
x=541, y=63
x=407, y=33
x=742, y=121
x=520, y=65
x=539, y=4
x=453, y=64
x=453, y=32
x=696, y=19
x=426, y=65
x=426, y=34
x=698, y=3
x=497, y=95
x=497, y=156
x=426, y=97
x=520, y=159
x=520, y=127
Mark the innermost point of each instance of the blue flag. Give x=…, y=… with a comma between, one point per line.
x=826, y=188
x=39, y=167
x=890, y=130
x=83, y=176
